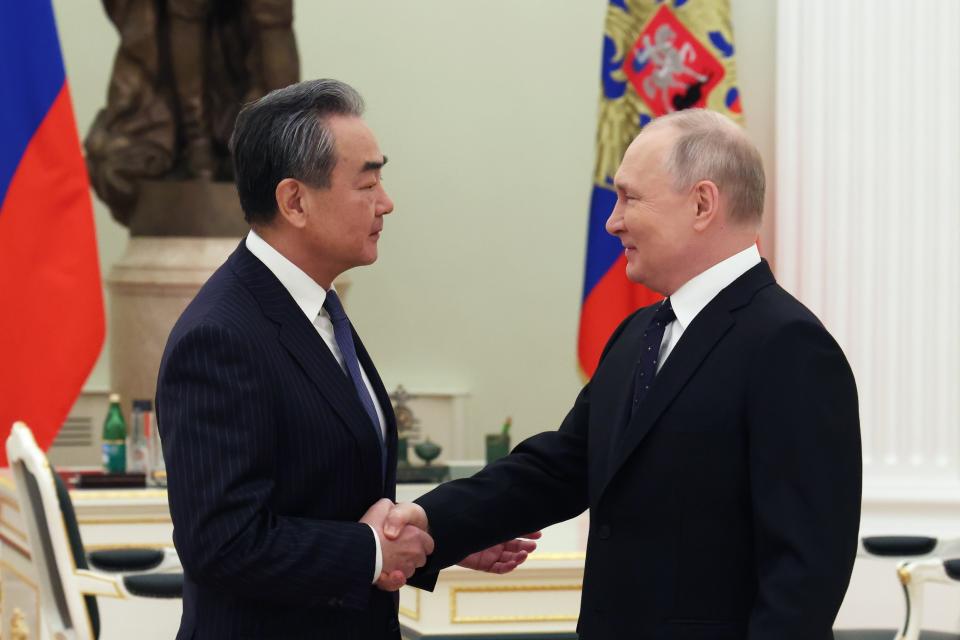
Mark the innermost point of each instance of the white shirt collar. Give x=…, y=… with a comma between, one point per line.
x=308, y=295
x=696, y=293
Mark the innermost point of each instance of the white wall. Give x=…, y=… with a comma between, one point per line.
x=487, y=111
x=868, y=214
x=867, y=238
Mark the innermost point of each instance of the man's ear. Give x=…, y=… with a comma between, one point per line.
x=290, y=202
x=706, y=197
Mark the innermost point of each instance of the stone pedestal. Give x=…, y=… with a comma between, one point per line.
x=180, y=232
x=149, y=288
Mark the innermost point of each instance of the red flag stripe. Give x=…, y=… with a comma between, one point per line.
x=612, y=299
x=52, y=324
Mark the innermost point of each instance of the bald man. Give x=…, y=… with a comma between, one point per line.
x=717, y=446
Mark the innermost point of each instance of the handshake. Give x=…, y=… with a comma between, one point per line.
x=405, y=543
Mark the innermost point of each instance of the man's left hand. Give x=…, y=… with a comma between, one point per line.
x=504, y=557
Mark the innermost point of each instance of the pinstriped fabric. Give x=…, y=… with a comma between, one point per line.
x=270, y=461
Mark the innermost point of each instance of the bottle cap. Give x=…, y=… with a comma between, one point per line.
x=114, y=397
x=143, y=405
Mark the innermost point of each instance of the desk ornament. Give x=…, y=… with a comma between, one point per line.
x=428, y=451
x=498, y=444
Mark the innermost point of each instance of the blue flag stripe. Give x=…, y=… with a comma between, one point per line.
x=31, y=70
x=603, y=249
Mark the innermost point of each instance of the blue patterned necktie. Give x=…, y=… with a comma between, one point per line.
x=646, y=368
x=344, y=337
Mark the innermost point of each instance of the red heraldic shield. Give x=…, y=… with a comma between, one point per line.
x=669, y=68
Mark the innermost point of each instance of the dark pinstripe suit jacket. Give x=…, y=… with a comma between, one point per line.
x=271, y=461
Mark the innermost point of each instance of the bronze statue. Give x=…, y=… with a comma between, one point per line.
x=182, y=71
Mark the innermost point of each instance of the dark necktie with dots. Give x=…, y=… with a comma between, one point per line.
x=646, y=368
x=343, y=334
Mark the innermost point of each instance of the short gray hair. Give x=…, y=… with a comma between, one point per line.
x=710, y=146
x=284, y=134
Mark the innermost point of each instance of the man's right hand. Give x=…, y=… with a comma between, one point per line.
x=405, y=514
x=404, y=551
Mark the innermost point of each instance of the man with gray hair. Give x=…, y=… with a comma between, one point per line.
x=278, y=435
x=717, y=446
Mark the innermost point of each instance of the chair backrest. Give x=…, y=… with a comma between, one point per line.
x=62, y=605
x=76, y=546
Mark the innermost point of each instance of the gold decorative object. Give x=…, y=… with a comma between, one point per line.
x=904, y=574
x=407, y=423
x=18, y=626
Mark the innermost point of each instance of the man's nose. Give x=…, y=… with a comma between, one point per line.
x=385, y=205
x=614, y=225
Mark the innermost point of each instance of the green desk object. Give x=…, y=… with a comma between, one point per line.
x=427, y=451
x=498, y=444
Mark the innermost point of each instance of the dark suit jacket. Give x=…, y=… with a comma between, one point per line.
x=271, y=460
x=729, y=507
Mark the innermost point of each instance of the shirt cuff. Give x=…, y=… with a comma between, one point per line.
x=378, y=559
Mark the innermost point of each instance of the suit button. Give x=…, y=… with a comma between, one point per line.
x=603, y=531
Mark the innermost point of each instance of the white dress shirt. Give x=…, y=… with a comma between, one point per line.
x=310, y=297
x=696, y=293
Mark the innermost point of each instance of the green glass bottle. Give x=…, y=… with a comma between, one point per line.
x=114, y=438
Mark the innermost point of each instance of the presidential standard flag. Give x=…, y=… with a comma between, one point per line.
x=51, y=314
x=659, y=56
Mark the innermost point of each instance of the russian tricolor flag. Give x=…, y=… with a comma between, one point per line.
x=51, y=315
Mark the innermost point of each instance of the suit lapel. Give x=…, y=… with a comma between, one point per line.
x=611, y=390
x=698, y=340
x=307, y=348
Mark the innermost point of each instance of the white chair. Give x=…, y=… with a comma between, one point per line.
x=68, y=610
x=913, y=577
x=921, y=562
